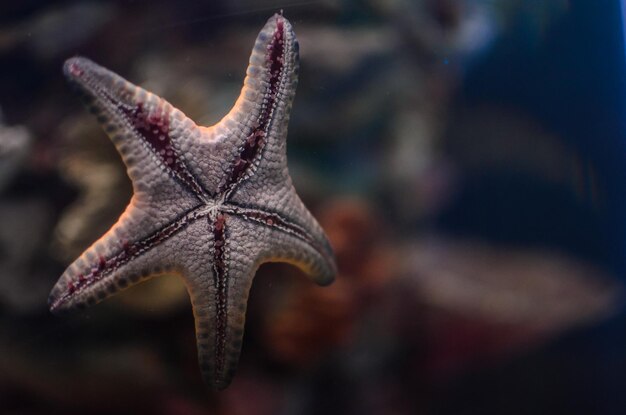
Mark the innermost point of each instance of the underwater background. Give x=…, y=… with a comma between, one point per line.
x=467, y=159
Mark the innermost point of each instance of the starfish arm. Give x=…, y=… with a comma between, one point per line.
x=283, y=238
x=259, y=119
x=124, y=256
x=149, y=133
x=219, y=281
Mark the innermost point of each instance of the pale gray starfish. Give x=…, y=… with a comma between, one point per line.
x=210, y=204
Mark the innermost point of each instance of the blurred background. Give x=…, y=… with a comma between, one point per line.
x=466, y=158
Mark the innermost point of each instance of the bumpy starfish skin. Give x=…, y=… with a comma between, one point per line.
x=210, y=204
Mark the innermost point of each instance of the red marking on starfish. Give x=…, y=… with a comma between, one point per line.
x=101, y=263
x=75, y=70
x=220, y=274
x=71, y=288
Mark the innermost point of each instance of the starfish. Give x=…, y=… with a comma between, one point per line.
x=210, y=204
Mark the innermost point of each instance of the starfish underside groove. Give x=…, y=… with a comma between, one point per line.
x=209, y=204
